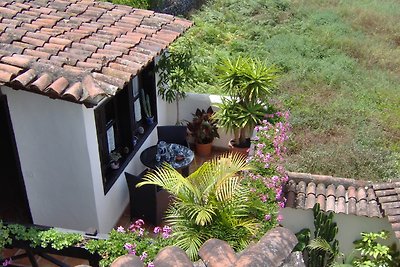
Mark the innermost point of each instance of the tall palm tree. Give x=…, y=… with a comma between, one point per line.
x=211, y=202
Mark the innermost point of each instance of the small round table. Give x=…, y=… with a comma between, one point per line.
x=148, y=158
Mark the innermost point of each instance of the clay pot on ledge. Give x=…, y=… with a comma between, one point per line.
x=114, y=165
x=241, y=149
x=149, y=120
x=203, y=150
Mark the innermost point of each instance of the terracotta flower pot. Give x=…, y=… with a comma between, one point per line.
x=114, y=165
x=203, y=150
x=242, y=150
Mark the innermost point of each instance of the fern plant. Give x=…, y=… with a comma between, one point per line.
x=211, y=202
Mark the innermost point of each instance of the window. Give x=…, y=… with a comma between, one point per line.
x=122, y=126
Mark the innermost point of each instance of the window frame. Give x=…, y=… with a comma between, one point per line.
x=119, y=112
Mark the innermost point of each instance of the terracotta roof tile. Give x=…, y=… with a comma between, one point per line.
x=74, y=91
x=6, y=76
x=24, y=79
x=119, y=83
x=24, y=45
x=88, y=65
x=11, y=69
x=125, y=76
x=338, y=195
x=58, y=86
x=7, y=12
x=79, y=50
x=42, y=82
x=33, y=41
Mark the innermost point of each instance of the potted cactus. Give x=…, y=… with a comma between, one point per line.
x=204, y=129
x=147, y=107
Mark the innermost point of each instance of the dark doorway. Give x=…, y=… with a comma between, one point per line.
x=14, y=205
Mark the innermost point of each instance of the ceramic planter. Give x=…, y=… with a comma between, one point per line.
x=114, y=165
x=241, y=150
x=149, y=120
x=203, y=150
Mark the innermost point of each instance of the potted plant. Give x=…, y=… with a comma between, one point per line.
x=147, y=108
x=204, y=129
x=248, y=83
x=114, y=160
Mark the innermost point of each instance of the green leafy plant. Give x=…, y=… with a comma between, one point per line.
x=31, y=234
x=59, y=240
x=203, y=126
x=373, y=253
x=176, y=71
x=249, y=83
x=146, y=104
x=37, y=237
x=211, y=202
x=5, y=238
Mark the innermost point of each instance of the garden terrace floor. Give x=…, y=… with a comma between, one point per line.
x=124, y=221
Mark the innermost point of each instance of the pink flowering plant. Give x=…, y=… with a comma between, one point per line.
x=134, y=240
x=268, y=177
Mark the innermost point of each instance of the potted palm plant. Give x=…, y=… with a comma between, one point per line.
x=204, y=129
x=249, y=84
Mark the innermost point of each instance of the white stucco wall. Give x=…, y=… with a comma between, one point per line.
x=350, y=226
x=51, y=143
x=58, y=149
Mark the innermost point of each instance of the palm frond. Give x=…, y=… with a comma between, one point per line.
x=169, y=179
x=320, y=244
x=190, y=241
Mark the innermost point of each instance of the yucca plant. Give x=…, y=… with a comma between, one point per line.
x=249, y=84
x=211, y=202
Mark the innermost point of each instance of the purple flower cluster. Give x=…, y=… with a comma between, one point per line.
x=269, y=176
x=139, y=231
x=165, y=231
x=7, y=262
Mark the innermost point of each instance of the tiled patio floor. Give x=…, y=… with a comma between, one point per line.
x=123, y=221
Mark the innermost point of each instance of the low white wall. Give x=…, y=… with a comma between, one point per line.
x=350, y=226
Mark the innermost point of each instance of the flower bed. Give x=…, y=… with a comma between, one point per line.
x=269, y=175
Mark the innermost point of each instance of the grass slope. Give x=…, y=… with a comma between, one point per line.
x=340, y=63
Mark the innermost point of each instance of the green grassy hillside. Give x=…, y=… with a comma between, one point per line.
x=340, y=63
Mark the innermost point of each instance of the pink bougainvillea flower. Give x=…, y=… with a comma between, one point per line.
x=166, y=231
x=157, y=229
x=143, y=256
x=7, y=262
x=120, y=229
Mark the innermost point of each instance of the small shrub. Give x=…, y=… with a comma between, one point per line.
x=373, y=253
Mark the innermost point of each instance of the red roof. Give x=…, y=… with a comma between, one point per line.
x=339, y=195
x=79, y=50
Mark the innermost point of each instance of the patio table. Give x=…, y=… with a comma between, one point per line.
x=148, y=158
